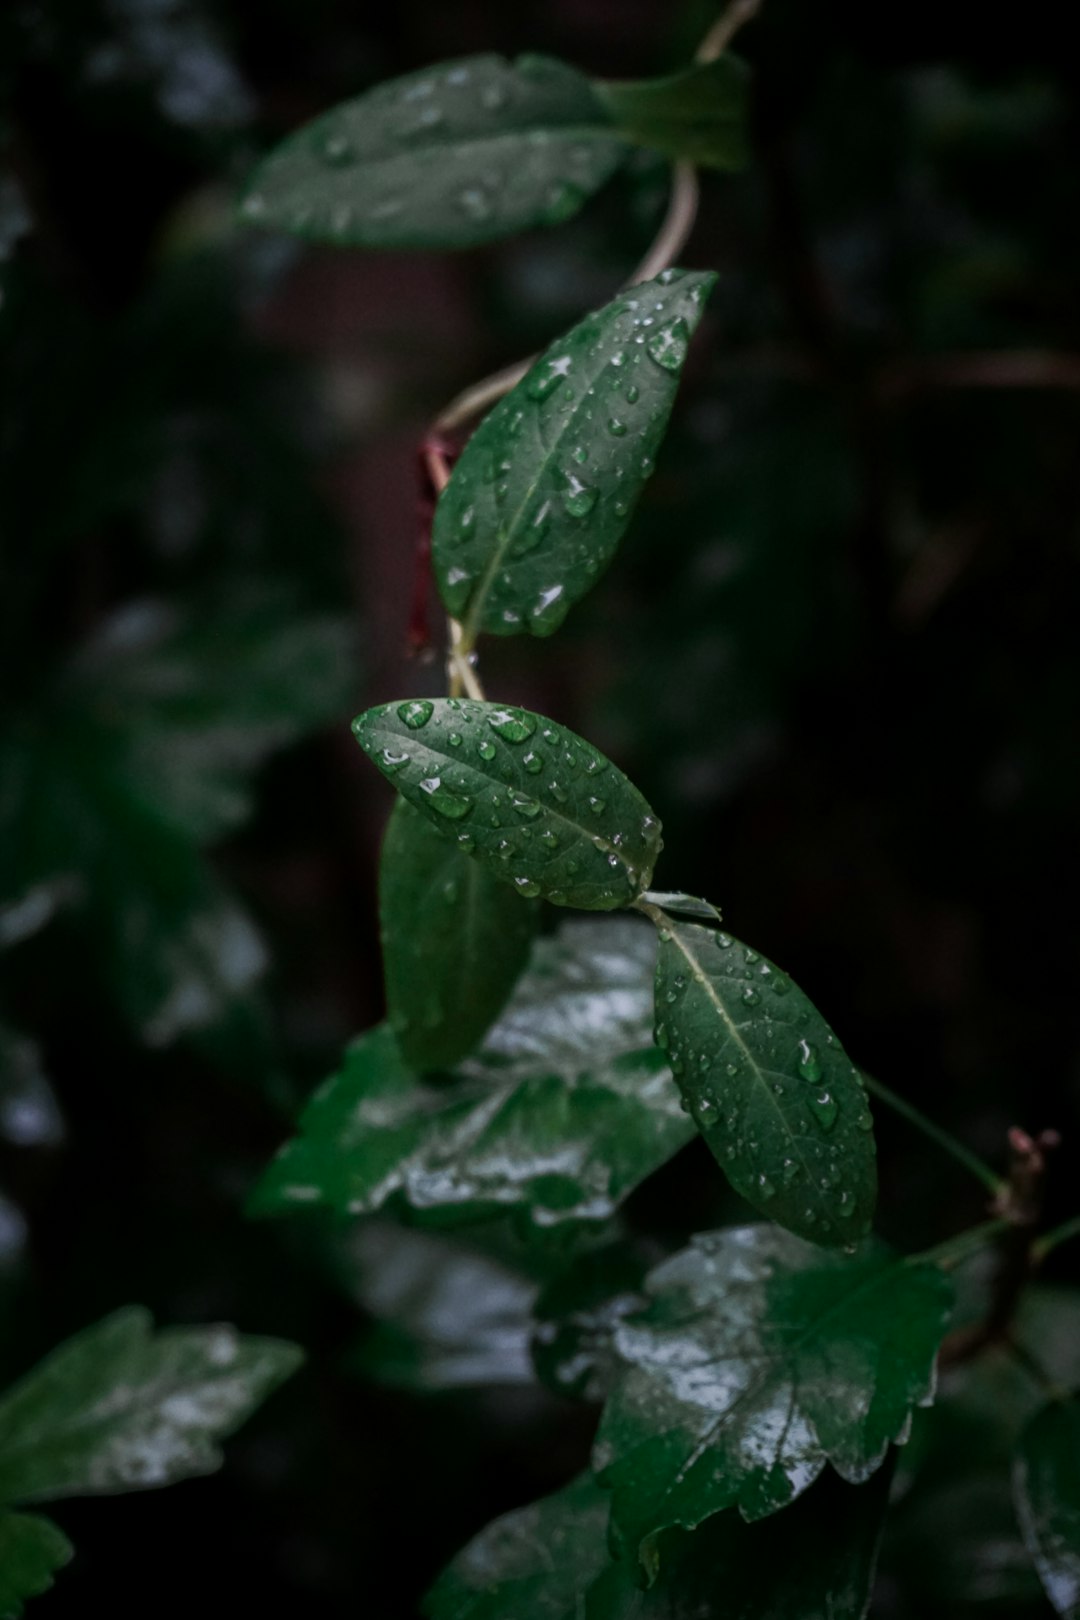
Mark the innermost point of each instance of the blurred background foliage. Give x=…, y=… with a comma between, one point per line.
x=838, y=652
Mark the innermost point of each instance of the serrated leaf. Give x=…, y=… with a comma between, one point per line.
x=760, y=1359
x=536, y=803
x=544, y=489
x=1046, y=1487
x=32, y=1549
x=456, y=154
x=455, y=939
x=565, y=1109
x=121, y=1407
x=548, y=1561
x=771, y=1090
x=698, y=115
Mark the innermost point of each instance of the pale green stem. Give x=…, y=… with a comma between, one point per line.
x=1054, y=1238
x=944, y=1139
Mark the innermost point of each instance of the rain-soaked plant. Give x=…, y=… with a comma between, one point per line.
x=543, y=1078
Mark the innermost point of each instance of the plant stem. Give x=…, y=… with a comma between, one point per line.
x=944, y=1139
x=1051, y=1240
x=725, y=28
x=954, y=1249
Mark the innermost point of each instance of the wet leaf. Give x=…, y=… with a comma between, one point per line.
x=698, y=115
x=544, y=489
x=460, y=153
x=770, y=1088
x=565, y=1109
x=576, y=1314
x=454, y=938
x=537, y=804
x=32, y=1549
x=548, y=1561
x=121, y=1407
x=760, y=1359
x=1046, y=1486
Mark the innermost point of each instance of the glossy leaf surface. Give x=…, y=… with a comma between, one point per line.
x=774, y=1095
x=760, y=1359
x=566, y=1108
x=544, y=489
x=32, y=1549
x=1046, y=1485
x=454, y=939
x=121, y=1407
x=576, y=1314
x=548, y=1561
x=698, y=115
x=454, y=155
x=537, y=804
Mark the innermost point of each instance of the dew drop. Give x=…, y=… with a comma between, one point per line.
x=824, y=1109
x=668, y=344
x=750, y=997
x=454, y=739
x=809, y=1065
x=616, y=428
x=336, y=149
x=789, y=1172
x=442, y=799
x=580, y=498
x=549, y=840
x=393, y=762
x=723, y=941
x=487, y=749
x=512, y=725
x=597, y=806
x=546, y=377
x=765, y=1187
x=416, y=714
x=533, y=762
x=527, y=887
x=633, y=394
x=524, y=805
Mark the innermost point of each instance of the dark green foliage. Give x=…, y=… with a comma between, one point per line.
x=32, y=1549
x=544, y=490
x=454, y=940
x=698, y=115
x=768, y=1084
x=539, y=805
x=1046, y=1482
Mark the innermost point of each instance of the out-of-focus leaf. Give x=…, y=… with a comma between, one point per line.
x=576, y=1314
x=454, y=155
x=1046, y=1485
x=698, y=115
x=549, y=1561
x=448, y=1315
x=760, y=1359
x=29, y=1114
x=773, y=1093
x=566, y=1108
x=32, y=1549
x=544, y=489
x=454, y=938
x=121, y=1407
x=954, y=1547
x=538, y=804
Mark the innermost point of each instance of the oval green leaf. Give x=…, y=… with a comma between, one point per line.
x=540, y=806
x=770, y=1088
x=32, y=1549
x=544, y=489
x=760, y=1359
x=454, y=155
x=454, y=940
x=1046, y=1487
x=698, y=115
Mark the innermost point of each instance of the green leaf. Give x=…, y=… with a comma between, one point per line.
x=1046, y=1485
x=539, y=805
x=698, y=115
x=454, y=940
x=448, y=157
x=448, y=1314
x=566, y=1108
x=544, y=489
x=120, y=1407
x=32, y=1549
x=576, y=1314
x=759, y=1359
x=548, y=1561
x=772, y=1092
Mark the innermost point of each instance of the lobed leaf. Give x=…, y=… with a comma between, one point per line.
x=454, y=941
x=760, y=1359
x=775, y=1097
x=544, y=489
x=548, y=1561
x=1046, y=1488
x=565, y=1109
x=451, y=156
x=698, y=115
x=32, y=1549
x=120, y=1407
x=537, y=804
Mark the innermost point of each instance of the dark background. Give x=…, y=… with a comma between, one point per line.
x=838, y=652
